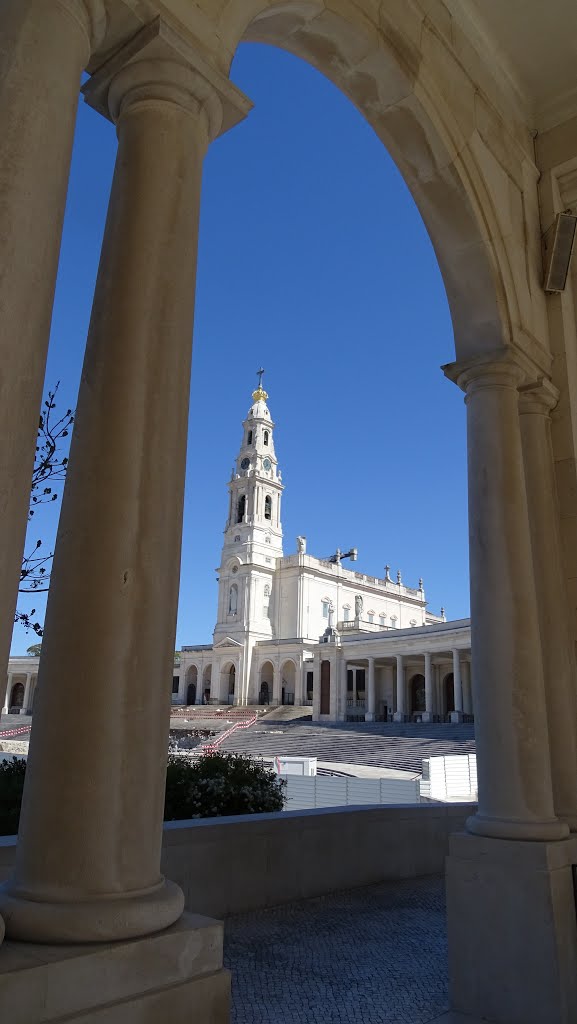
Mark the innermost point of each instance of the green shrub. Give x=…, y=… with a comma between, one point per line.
x=219, y=784
x=11, y=785
x=207, y=787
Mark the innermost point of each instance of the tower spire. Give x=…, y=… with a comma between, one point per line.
x=260, y=394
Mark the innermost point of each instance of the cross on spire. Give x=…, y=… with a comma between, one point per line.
x=259, y=374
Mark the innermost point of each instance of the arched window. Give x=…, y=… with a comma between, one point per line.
x=381, y=620
x=371, y=616
x=231, y=680
x=268, y=507
x=233, y=600
x=346, y=613
x=265, y=438
x=241, y=508
x=249, y=437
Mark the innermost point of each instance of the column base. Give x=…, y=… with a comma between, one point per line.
x=175, y=976
x=399, y=716
x=550, y=830
x=456, y=716
x=109, y=919
x=512, y=930
x=427, y=716
x=369, y=716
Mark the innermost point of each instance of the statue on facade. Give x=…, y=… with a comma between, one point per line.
x=331, y=613
x=301, y=545
x=358, y=606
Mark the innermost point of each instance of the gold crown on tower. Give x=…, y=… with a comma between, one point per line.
x=260, y=394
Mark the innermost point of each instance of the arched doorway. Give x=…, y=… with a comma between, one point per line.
x=231, y=677
x=191, y=685
x=417, y=694
x=266, y=677
x=17, y=698
x=449, y=693
x=288, y=682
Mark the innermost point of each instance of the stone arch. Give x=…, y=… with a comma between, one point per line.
x=228, y=681
x=288, y=677
x=396, y=73
x=417, y=694
x=17, y=697
x=266, y=682
x=191, y=685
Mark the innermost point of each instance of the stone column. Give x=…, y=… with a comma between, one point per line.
x=515, y=792
x=343, y=689
x=44, y=50
x=559, y=667
x=429, y=715
x=400, y=714
x=467, y=695
x=457, y=714
x=370, y=710
x=27, y=692
x=7, y=694
x=276, y=684
x=88, y=862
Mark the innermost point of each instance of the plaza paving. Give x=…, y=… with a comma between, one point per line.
x=376, y=955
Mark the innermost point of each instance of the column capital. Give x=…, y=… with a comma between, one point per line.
x=159, y=65
x=501, y=368
x=92, y=17
x=539, y=397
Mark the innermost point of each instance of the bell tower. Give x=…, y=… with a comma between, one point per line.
x=253, y=532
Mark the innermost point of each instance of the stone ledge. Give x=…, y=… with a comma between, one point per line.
x=46, y=984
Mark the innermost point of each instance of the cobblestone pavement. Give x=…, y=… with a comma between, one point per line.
x=375, y=955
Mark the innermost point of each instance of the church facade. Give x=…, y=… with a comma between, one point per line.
x=296, y=629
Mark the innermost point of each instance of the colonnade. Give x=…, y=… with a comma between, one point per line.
x=88, y=863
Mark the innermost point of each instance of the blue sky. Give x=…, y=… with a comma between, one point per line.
x=314, y=263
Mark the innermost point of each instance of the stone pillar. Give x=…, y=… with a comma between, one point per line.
x=26, y=692
x=429, y=704
x=515, y=792
x=467, y=694
x=370, y=710
x=536, y=403
x=88, y=862
x=276, y=684
x=7, y=694
x=45, y=48
x=457, y=714
x=400, y=713
x=342, y=717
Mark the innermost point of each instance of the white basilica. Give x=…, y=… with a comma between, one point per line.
x=295, y=629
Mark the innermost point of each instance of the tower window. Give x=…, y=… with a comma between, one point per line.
x=249, y=437
x=268, y=507
x=265, y=439
x=241, y=508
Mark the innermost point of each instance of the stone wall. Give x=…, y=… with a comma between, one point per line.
x=227, y=865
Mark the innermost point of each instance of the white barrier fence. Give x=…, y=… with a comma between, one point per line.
x=308, y=792
x=450, y=777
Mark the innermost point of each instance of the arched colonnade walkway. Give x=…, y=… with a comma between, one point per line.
x=88, y=857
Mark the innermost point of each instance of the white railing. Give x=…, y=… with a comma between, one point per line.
x=213, y=745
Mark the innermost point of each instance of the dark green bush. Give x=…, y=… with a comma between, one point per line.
x=208, y=787
x=219, y=784
x=11, y=785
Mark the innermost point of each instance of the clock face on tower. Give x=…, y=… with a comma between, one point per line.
x=245, y=464
x=266, y=464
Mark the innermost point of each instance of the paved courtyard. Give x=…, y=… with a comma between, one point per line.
x=375, y=955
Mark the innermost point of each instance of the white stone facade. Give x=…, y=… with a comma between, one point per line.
x=280, y=618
